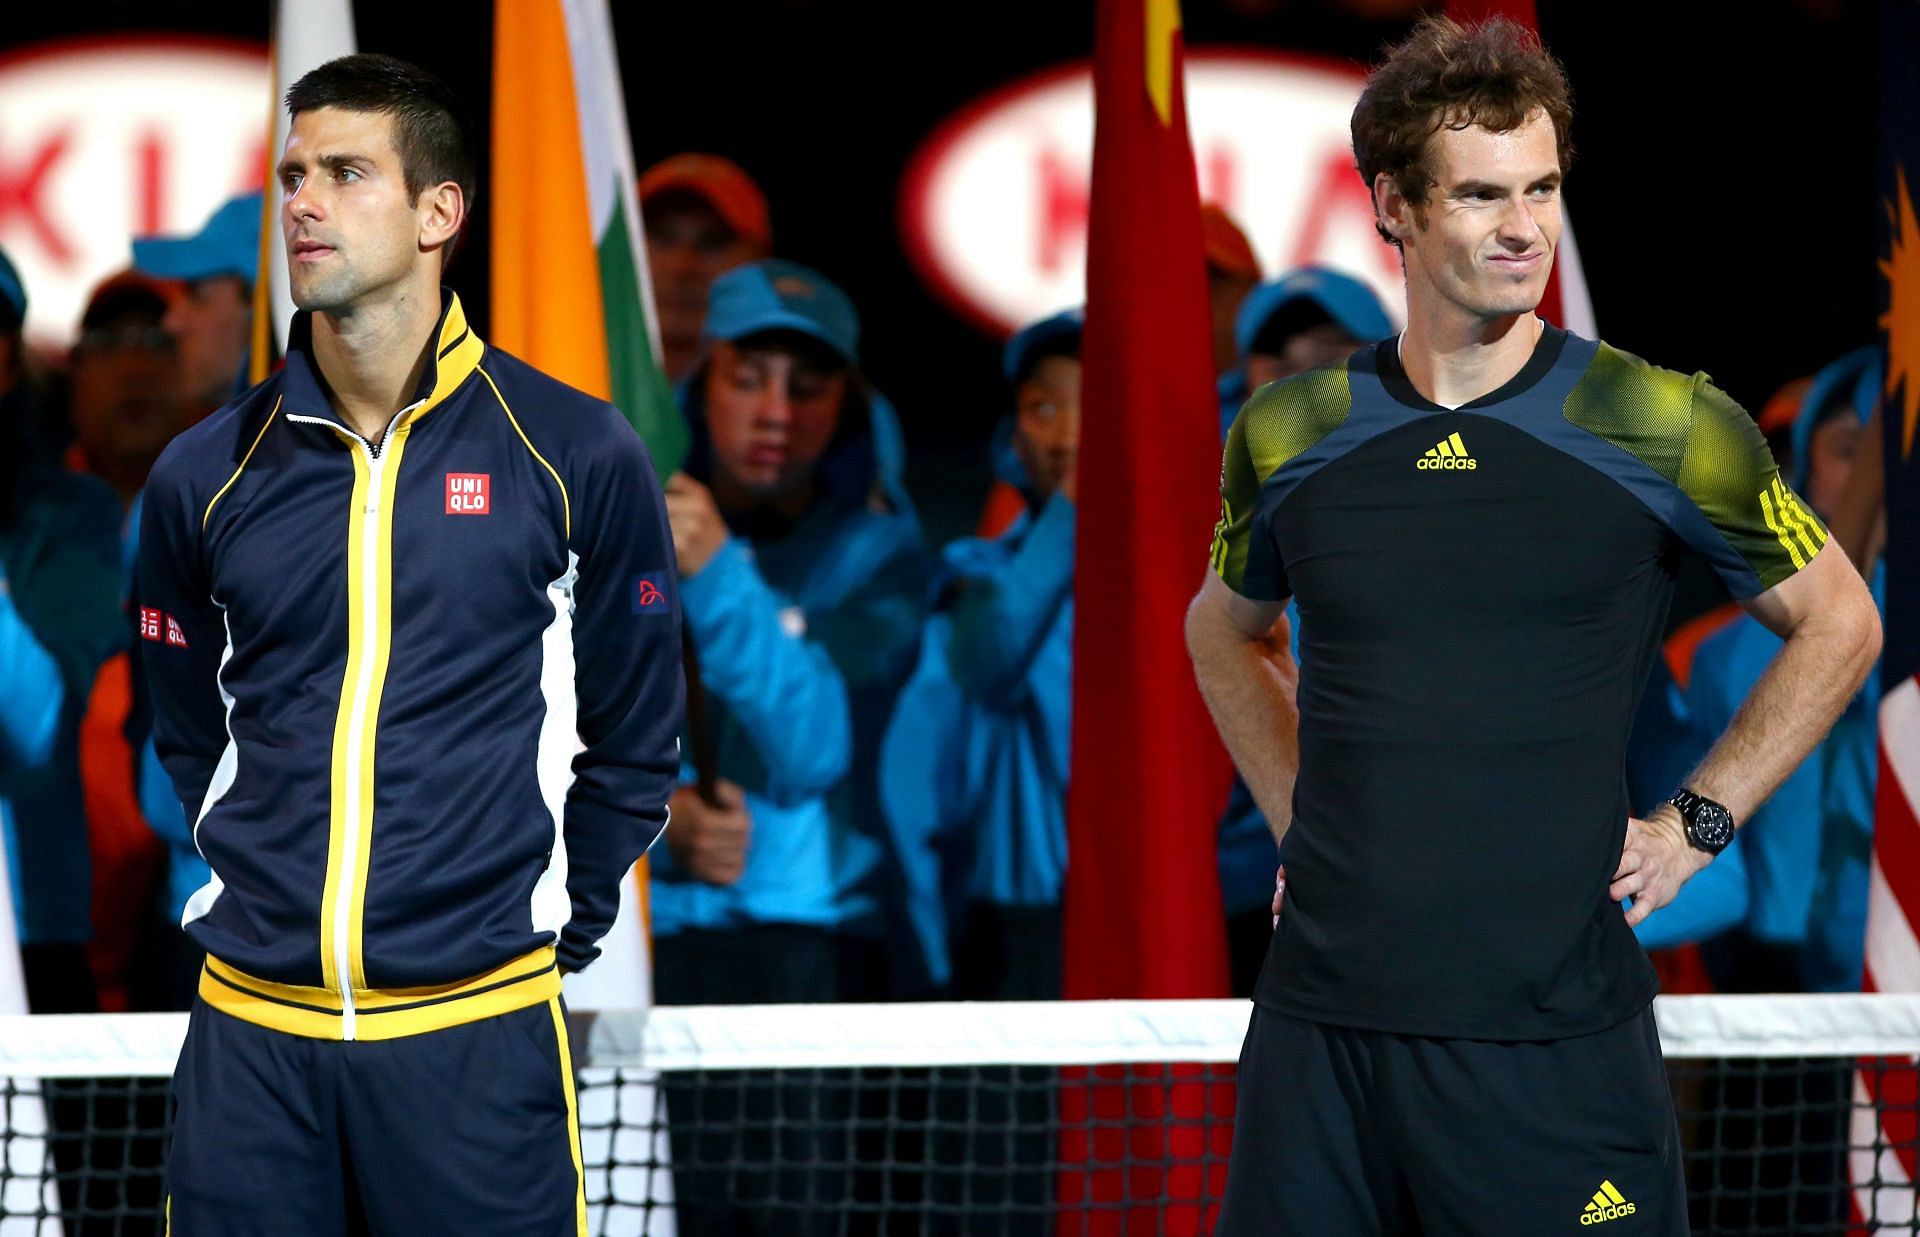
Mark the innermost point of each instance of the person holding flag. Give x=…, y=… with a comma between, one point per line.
x=1480, y=519
x=412, y=626
x=804, y=591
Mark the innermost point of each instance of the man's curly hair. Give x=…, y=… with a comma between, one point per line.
x=1494, y=74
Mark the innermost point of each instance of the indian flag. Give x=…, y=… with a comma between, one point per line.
x=306, y=34
x=571, y=296
x=571, y=293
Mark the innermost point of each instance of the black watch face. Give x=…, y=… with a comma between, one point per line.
x=1711, y=827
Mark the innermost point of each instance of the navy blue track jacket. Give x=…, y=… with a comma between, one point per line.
x=420, y=697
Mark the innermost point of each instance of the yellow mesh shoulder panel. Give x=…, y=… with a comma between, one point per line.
x=1281, y=421
x=1730, y=475
x=1635, y=406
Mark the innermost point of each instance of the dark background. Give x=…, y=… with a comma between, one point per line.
x=1723, y=191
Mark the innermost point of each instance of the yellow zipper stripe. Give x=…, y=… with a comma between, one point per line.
x=343, y=719
x=382, y=645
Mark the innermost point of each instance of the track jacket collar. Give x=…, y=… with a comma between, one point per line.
x=456, y=354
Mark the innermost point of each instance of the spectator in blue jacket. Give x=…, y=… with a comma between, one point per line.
x=803, y=587
x=59, y=619
x=974, y=771
x=1796, y=894
x=803, y=584
x=1309, y=317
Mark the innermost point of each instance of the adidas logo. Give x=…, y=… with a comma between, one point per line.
x=1607, y=1204
x=1450, y=453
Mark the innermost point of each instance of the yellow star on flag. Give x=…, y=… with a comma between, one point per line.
x=1163, y=22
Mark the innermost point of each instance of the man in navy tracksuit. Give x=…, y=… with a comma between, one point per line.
x=413, y=650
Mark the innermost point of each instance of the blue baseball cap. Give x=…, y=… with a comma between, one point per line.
x=228, y=244
x=777, y=295
x=1067, y=324
x=13, y=293
x=1351, y=304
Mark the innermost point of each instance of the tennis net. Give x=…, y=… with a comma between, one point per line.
x=1798, y=1114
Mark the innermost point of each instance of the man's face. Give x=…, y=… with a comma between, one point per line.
x=688, y=247
x=1830, y=453
x=1318, y=345
x=1226, y=290
x=126, y=404
x=770, y=414
x=212, y=322
x=1047, y=418
x=1485, y=238
x=352, y=230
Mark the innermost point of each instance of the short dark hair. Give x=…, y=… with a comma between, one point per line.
x=430, y=129
x=1494, y=74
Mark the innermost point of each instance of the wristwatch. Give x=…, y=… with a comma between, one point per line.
x=1709, y=825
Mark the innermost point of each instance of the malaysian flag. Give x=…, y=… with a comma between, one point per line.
x=1885, y=1134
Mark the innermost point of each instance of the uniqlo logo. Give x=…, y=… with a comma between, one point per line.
x=469, y=493
x=161, y=627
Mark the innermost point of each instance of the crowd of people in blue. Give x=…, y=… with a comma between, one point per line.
x=873, y=801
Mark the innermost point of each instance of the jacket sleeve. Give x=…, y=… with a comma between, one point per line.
x=180, y=637
x=31, y=694
x=628, y=680
x=1002, y=617
x=782, y=687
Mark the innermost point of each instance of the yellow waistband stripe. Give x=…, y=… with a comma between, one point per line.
x=389, y=1013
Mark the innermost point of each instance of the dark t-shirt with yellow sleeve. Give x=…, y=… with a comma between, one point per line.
x=1481, y=592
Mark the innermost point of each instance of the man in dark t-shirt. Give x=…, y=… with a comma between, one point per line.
x=1480, y=521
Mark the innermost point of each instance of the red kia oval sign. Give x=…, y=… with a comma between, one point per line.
x=994, y=206
x=102, y=140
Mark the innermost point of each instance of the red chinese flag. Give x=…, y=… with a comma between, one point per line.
x=1143, y=910
x=1143, y=913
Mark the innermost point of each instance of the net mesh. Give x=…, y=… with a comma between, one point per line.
x=1798, y=1115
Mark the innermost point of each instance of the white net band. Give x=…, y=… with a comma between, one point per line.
x=983, y=1033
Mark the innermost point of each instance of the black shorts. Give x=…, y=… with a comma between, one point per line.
x=1341, y=1131
x=470, y=1130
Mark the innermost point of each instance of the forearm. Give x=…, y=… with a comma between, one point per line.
x=1790, y=709
x=1249, y=688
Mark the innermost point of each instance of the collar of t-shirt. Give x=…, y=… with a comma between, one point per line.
x=1393, y=375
